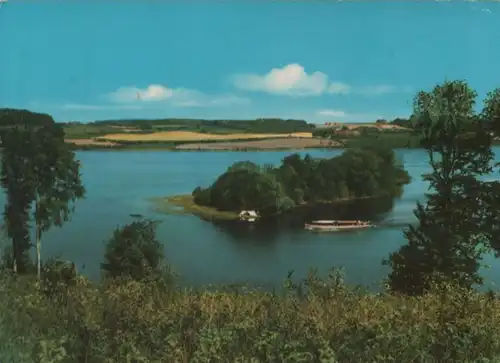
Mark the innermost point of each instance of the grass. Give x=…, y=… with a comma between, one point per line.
x=176, y=136
x=317, y=321
x=127, y=147
x=394, y=140
x=83, y=131
x=184, y=204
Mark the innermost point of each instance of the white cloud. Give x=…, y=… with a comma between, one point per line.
x=154, y=92
x=293, y=80
x=178, y=97
x=331, y=113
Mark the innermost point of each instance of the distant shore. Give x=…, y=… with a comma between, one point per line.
x=267, y=144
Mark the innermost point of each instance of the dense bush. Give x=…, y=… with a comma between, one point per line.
x=133, y=252
x=322, y=321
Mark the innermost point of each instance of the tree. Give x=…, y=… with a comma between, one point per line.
x=245, y=188
x=490, y=116
x=56, y=182
x=133, y=252
x=38, y=170
x=19, y=192
x=363, y=172
x=13, y=117
x=447, y=243
x=491, y=111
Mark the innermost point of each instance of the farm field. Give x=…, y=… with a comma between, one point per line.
x=266, y=144
x=92, y=142
x=172, y=136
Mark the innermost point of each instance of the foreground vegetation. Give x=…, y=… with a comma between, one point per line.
x=141, y=321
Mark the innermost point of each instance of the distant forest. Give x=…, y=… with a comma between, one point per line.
x=264, y=125
x=10, y=117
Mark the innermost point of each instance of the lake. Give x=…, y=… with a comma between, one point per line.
x=122, y=182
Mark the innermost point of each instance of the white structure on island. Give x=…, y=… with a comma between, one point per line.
x=249, y=215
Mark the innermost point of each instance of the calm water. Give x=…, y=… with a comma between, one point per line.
x=120, y=183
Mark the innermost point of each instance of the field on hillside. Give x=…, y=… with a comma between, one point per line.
x=354, y=126
x=263, y=144
x=83, y=131
x=172, y=136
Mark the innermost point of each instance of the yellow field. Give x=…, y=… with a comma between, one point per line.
x=196, y=136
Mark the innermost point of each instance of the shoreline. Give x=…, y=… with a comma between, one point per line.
x=262, y=144
x=170, y=149
x=183, y=204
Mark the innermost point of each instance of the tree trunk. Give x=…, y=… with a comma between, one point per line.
x=38, y=240
x=38, y=251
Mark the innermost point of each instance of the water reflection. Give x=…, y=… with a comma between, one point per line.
x=269, y=229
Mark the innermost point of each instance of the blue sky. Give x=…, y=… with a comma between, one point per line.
x=314, y=60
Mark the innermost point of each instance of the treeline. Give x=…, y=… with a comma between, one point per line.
x=367, y=172
x=264, y=125
x=362, y=136
x=12, y=117
x=332, y=131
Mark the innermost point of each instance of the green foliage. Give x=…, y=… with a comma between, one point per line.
x=58, y=275
x=7, y=262
x=85, y=131
x=38, y=170
x=372, y=136
x=316, y=320
x=453, y=226
x=14, y=117
x=15, y=169
x=246, y=186
x=133, y=252
x=356, y=173
x=391, y=139
x=55, y=177
x=491, y=111
x=403, y=122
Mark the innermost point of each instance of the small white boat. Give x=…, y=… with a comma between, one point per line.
x=335, y=225
x=249, y=215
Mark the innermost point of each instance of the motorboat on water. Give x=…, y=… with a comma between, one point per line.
x=249, y=215
x=336, y=225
